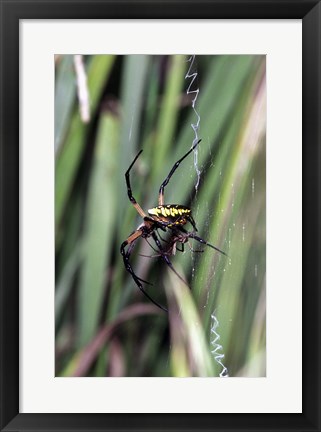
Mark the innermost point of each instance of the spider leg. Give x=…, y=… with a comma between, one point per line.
x=192, y=221
x=165, y=241
x=146, y=282
x=166, y=259
x=180, y=250
x=176, y=165
x=154, y=249
x=129, y=189
x=158, y=253
x=199, y=239
x=126, y=255
x=131, y=242
x=150, y=256
x=158, y=224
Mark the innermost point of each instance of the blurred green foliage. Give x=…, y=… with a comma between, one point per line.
x=104, y=325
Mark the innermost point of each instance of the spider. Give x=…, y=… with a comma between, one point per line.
x=165, y=217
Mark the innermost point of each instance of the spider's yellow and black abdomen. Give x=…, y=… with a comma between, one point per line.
x=174, y=213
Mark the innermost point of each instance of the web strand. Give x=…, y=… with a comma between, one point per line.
x=192, y=76
x=217, y=348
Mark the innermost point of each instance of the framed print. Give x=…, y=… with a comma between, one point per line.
x=160, y=215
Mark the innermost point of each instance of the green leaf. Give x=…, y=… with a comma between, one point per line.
x=65, y=91
x=69, y=156
x=98, y=231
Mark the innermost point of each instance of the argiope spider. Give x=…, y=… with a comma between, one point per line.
x=169, y=217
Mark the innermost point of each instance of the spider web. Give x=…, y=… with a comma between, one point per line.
x=192, y=89
x=217, y=348
x=191, y=75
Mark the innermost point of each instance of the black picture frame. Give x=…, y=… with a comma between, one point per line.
x=11, y=12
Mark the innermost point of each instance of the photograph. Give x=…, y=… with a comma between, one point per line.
x=160, y=215
x=160, y=171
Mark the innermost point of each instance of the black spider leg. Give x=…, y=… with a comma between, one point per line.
x=192, y=221
x=129, y=189
x=177, y=248
x=199, y=239
x=159, y=253
x=128, y=253
x=164, y=240
x=176, y=165
x=171, y=243
x=133, y=275
x=166, y=259
x=154, y=249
